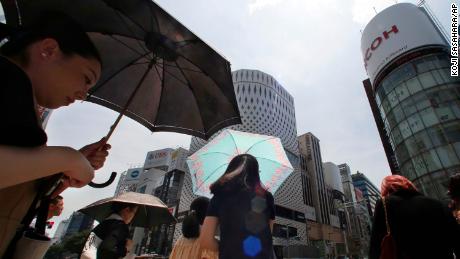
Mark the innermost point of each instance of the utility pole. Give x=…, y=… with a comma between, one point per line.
x=287, y=240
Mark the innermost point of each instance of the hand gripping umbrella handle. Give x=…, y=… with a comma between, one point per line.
x=114, y=174
x=105, y=184
x=112, y=128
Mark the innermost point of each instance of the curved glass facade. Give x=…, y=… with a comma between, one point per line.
x=419, y=103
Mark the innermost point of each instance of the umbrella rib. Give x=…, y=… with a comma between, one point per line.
x=259, y=142
x=193, y=92
x=274, y=161
x=126, y=45
x=118, y=12
x=116, y=73
x=175, y=77
x=234, y=141
x=154, y=17
x=214, y=152
x=204, y=72
x=158, y=73
x=162, y=86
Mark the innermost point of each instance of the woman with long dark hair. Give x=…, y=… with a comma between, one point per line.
x=244, y=211
x=49, y=64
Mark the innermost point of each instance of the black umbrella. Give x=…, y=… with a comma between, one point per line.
x=154, y=70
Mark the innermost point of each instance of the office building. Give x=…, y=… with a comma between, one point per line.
x=413, y=97
x=369, y=191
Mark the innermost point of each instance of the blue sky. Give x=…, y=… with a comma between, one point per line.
x=311, y=47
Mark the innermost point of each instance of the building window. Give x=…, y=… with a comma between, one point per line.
x=415, y=123
x=409, y=170
x=414, y=86
x=432, y=161
x=427, y=80
x=289, y=214
x=408, y=106
x=398, y=114
x=402, y=92
x=447, y=156
x=437, y=135
x=452, y=131
x=283, y=231
x=419, y=165
x=429, y=117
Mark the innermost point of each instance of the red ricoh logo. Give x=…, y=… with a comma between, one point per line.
x=376, y=43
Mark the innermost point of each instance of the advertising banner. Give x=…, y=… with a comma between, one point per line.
x=158, y=158
x=398, y=29
x=133, y=175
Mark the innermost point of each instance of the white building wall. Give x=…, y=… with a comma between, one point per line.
x=332, y=176
x=265, y=108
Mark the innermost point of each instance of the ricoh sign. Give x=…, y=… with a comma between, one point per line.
x=393, y=32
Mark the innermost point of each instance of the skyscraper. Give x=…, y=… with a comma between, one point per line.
x=357, y=214
x=335, y=194
x=323, y=193
x=370, y=192
x=347, y=182
x=414, y=100
x=309, y=147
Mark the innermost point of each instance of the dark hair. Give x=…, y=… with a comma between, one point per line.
x=116, y=207
x=195, y=218
x=55, y=200
x=242, y=174
x=454, y=186
x=71, y=37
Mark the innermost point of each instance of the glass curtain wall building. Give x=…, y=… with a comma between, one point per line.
x=414, y=98
x=419, y=103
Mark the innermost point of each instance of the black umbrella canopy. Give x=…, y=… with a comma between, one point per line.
x=186, y=86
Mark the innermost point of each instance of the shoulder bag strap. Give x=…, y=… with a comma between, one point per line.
x=386, y=216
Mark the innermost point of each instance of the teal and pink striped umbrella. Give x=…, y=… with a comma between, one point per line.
x=210, y=162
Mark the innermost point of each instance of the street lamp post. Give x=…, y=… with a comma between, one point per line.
x=287, y=239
